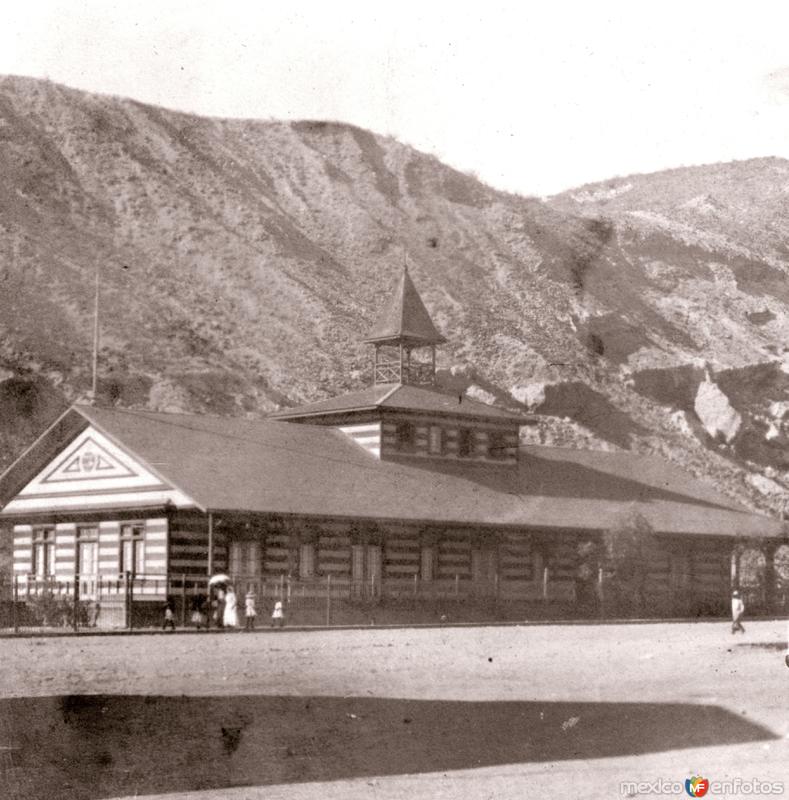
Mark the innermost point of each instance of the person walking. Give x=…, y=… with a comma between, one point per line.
x=249, y=610
x=737, y=611
x=231, y=610
x=277, y=615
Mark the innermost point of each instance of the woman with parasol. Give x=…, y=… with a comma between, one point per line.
x=219, y=584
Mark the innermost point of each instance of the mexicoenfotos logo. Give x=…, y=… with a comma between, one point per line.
x=696, y=786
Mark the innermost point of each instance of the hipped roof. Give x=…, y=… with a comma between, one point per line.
x=403, y=397
x=404, y=318
x=278, y=468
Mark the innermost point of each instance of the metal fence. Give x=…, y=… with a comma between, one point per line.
x=33, y=603
x=129, y=601
x=30, y=604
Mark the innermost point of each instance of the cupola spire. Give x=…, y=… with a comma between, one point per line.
x=404, y=326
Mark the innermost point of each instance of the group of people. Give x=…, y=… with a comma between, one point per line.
x=223, y=607
x=225, y=611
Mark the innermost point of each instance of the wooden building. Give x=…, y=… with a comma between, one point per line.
x=395, y=491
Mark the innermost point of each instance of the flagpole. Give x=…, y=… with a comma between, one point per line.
x=95, y=340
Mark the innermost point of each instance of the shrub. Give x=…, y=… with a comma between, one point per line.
x=626, y=550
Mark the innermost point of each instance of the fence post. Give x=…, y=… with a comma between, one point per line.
x=76, y=601
x=16, y=600
x=209, y=605
x=601, y=590
x=132, y=576
x=457, y=585
x=127, y=595
x=545, y=584
x=183, y=601
x=328, y=600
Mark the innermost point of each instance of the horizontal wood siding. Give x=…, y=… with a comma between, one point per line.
x=23, y=549
x=334, y=554
x=659, y=582
x=155, y=553
x=402, y=554
x=454, y=556
x=279, y=558
x=516, y=558
x=562, y=560
x=480, y=446
x=711, y=572
x=109, y=548
x=187, y=546
x=65, y=550
x=367, y=436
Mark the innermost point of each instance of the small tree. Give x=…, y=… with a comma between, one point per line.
x=782, y=564
x=627, y=548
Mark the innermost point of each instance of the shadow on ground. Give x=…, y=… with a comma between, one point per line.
x=95, y=746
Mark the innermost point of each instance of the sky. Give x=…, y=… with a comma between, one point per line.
x=531, y=97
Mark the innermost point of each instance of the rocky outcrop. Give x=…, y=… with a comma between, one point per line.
x=715, y=411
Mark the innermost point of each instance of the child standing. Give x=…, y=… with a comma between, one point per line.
x=249, y=610
x=169, y=617
x=198, y=618
x=278, y=615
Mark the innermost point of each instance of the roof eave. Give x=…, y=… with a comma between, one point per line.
x=282, y=415
x=470, y=415
x=404, y=338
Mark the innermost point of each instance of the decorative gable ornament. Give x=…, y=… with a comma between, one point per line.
x=88, y=460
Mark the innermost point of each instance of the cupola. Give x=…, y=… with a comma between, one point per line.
x=404, y=338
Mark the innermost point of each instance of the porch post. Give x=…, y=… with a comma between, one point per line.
x=735, y=566
x=769, y=576
x=210, y=570
x=210, y=544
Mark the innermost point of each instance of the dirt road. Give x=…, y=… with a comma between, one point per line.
x=453, y=712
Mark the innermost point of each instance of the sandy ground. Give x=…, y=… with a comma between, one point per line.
x=499, y=712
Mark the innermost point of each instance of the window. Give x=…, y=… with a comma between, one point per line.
x=244, y=559
x=132, y=549
x=496, y=446
x=405, y=436
x=43, y=552
x=465, y=443
x=307, y=560
x=87, y=551
x=436, y=441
